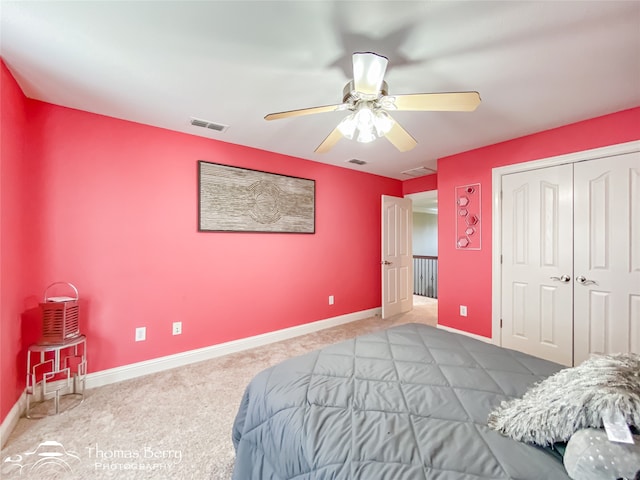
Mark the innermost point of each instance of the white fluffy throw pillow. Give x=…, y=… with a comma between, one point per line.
x=572, y=399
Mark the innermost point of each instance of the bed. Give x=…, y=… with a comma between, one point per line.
x=410, y=402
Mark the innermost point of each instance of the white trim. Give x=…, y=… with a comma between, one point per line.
x=134, y=370
x=601, y=152
x=11, y=420
x=496, y=218
x=466, y=334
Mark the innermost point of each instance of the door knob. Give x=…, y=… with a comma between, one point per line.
x=584, y=281
x=563, y=279
x=385, y=262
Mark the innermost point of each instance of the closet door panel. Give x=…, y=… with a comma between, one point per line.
x=537, y=246
x=606, y=255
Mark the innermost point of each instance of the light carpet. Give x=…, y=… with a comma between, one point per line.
x=170, y=425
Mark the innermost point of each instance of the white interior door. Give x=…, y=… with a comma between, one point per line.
x=397, y=256
x=537, y=244
x=607, y=256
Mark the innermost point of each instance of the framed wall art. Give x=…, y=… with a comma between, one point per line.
x=233, y=199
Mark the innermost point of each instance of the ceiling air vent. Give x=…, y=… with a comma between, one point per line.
x=218, y=127
x=418, y=172
x=357, y=162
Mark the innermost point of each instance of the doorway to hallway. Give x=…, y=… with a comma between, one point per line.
x=425, y=243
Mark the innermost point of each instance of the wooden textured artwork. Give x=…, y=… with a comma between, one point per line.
x=233, y=199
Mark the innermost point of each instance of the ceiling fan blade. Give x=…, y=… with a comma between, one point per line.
x=444, y=102
x=368, y=72
x=329, y=142
x=400, y=138
x=307, y=111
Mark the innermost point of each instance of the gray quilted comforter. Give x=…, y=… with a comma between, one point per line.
x=410, y=402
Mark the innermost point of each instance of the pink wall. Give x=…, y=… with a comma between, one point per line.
x=121, y=223
x=20, y=253
x=117, y=217
x=420, y=184
x=465, y=276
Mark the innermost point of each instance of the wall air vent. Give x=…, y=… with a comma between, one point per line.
x=418, y=172
x=218, y=127
x=357, y=162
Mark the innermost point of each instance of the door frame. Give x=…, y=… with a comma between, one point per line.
x=496, y=213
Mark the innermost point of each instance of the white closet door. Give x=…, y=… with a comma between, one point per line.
x=537, y=260
x=607, y=256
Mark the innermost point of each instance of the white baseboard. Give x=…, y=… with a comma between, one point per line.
x=127, y=372
x=11, y=420
x=468, y=334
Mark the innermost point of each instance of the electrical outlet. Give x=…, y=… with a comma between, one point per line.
x=177, y=328
x=331, y=299
x=141, y=334
x=463, y=310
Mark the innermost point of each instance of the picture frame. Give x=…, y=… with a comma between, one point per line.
x=235, y=199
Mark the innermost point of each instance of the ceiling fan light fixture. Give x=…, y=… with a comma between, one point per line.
x=361, y=120
x=368, y=73
x=383, y=122
x=369, y=123
x=364, y=118
x=348, y=126
x=387, y=102
x=366, y=136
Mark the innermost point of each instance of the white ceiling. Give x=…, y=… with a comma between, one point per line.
x=537, y=65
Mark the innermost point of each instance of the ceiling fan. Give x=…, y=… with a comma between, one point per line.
x=367, y=98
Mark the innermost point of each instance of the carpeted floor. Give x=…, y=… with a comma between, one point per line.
x=170, y=425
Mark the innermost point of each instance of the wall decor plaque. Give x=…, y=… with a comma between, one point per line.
x=468, y=217
x=234, y=199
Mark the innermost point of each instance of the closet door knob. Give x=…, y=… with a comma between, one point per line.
x=563, y=279
x=582, y=280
